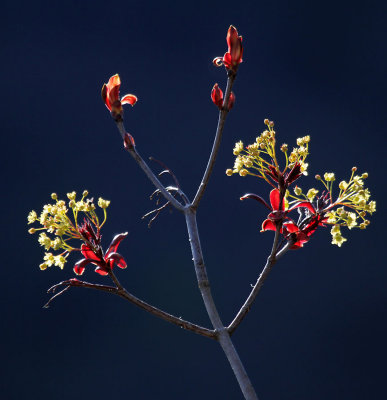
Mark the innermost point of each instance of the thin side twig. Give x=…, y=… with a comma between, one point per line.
x=148, y=172
x=215, y=147
x=120, y=291
x=170, y=172
x=271, y=260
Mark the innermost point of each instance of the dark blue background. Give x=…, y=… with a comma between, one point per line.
x=318, y=329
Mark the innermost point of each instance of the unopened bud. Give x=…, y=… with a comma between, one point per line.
x=231, y=101
x=243, y=172
x=217, y=96
x=229, y=172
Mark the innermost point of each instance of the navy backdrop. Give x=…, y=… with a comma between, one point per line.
x=318, y=329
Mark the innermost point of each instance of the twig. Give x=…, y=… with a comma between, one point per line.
x=75, y=282
x=271, y=260
x=215, y=147
x=119, y=290
x=167, y=170
x=157, y=211
x=148, y=172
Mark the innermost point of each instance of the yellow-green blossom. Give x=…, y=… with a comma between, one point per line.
x=238, y=148
x=32, y=217
x=329, y=176
x=103, y=203
x=336, y=236
x=259, y=159
x=63, y=225
x=311, y=194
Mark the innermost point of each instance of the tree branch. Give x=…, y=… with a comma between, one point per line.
x=205, y=290
x=119, y=290
x=271, y=260
x=131, y=149
x=215, y=147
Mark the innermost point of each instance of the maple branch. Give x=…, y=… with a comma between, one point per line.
x=223, y=335
x=215, y=147
x=131, y=149
x=119, y=290
x=271, y=260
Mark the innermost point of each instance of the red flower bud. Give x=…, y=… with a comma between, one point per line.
x=231, y=101
x=233, y=57
x=129, y=141
x=111, y=96
x=217, y=96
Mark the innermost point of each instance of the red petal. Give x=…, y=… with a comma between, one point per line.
x=88, y=253
x=255, y=197
x=227, y=60
x=129, y=99
x=305, y=204
x=235, y=48
x=113, y=89
x=114, y=81
x=268, y=225
x=117, y=259
x=80, y=265
x=291, y=227
x=275, y=200
x=232, y=36
x=294, y=174
x=101, y=271
x=114, y=244
x=105, y=97
x=78, y=270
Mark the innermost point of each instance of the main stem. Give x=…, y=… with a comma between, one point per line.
x=205, y=290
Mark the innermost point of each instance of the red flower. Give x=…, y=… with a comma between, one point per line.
x=93, y=254
x=309, y=220
x=285, y=179
x=277, y=208
x=302, y=233
x=307, y=225
x=233, y=57
x=111, y=96
x=217, y=97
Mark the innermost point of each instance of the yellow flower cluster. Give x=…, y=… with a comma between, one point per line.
x=349, y=209
x=54, y=219
x=256, y=158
